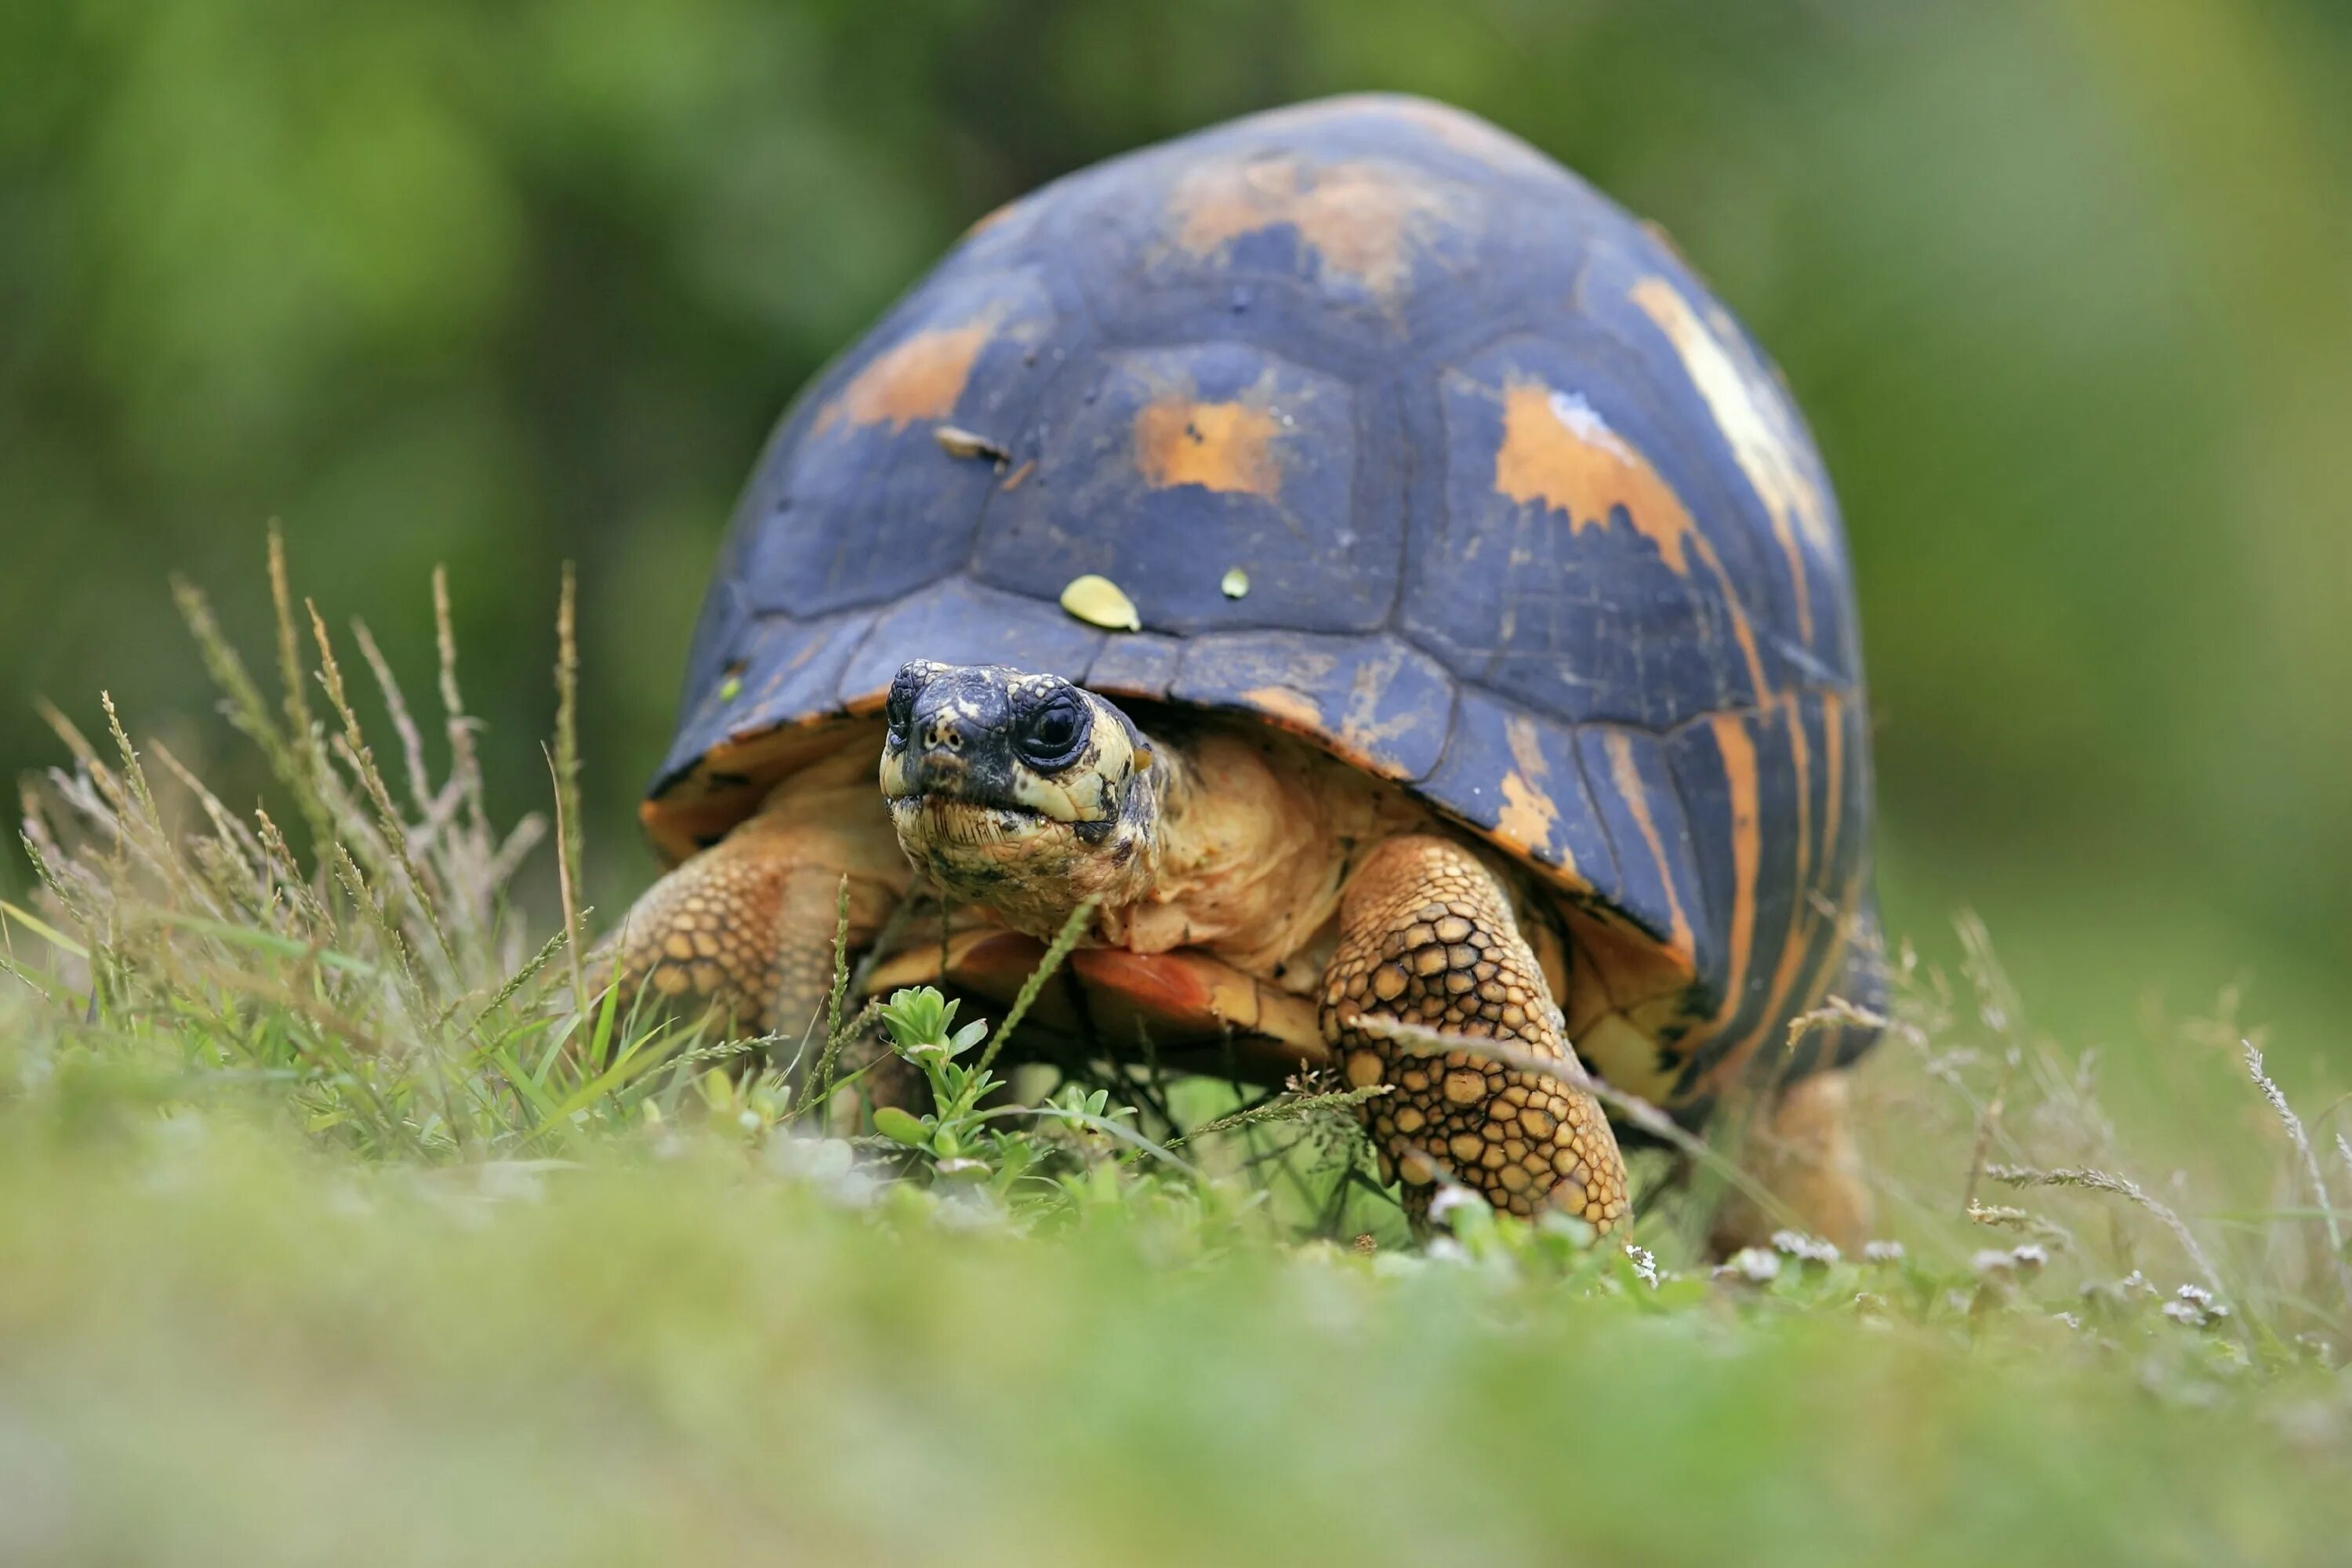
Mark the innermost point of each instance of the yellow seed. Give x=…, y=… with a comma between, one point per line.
x=959, y=443
x=1099, y=602
x=1235, y=583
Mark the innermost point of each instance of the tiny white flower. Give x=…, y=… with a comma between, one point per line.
x=1645, y=1264
x=1452, y=1197
x=1882, y=1251
x=1805, y=1248
x=2194, y=1306
x=1753, y=1264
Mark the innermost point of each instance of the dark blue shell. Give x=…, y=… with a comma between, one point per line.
x=1528, y=523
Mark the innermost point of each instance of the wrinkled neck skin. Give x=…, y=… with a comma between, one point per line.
x=1234, y=839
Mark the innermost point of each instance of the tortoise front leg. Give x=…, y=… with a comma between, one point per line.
x=745, y=929
x=1427, y=937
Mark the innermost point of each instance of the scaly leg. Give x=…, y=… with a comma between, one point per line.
x=1426, y=937
x=745, y=929
x=1802, y=1150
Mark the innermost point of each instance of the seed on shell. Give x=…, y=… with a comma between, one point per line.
x=1099, y=602
x=957, y=442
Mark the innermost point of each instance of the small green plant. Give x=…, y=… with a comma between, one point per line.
x=974, y=1138
x=921, y=1028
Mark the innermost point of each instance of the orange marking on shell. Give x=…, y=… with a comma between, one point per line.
x=1734, y=1065
x=920, y=379
x=1290, y=706
x=1560, y=453
x=1224, y=447
x=1756, y=421
x=1528, y=811
x=1802, y=917
x=1362, y=218
x=1628, y=779
x=1833, y=769
x=1738, y=750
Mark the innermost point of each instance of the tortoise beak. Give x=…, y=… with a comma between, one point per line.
x=957, y=746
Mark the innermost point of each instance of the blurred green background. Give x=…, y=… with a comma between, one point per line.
x=2065, y=287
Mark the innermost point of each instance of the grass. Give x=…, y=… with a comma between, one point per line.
x=343, y=1219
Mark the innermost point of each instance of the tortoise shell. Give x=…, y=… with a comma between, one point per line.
x=1529, y=526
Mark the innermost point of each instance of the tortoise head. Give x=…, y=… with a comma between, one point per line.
x=1020, y=792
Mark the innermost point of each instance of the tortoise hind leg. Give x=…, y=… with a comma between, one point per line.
x=1427, y=937
x=1802, y=1149
x=745, y=929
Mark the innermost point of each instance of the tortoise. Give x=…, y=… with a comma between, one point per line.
x=1370, y=566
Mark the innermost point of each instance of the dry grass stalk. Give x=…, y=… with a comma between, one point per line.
x=1282, y=1108
x=569, y=838
x=1065, y=940
x=2277, y=1100
x=2123, y=1187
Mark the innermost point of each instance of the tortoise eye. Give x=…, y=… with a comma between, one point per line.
x=1054, y=733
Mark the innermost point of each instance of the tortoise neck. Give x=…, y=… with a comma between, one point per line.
x=1155, y=819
